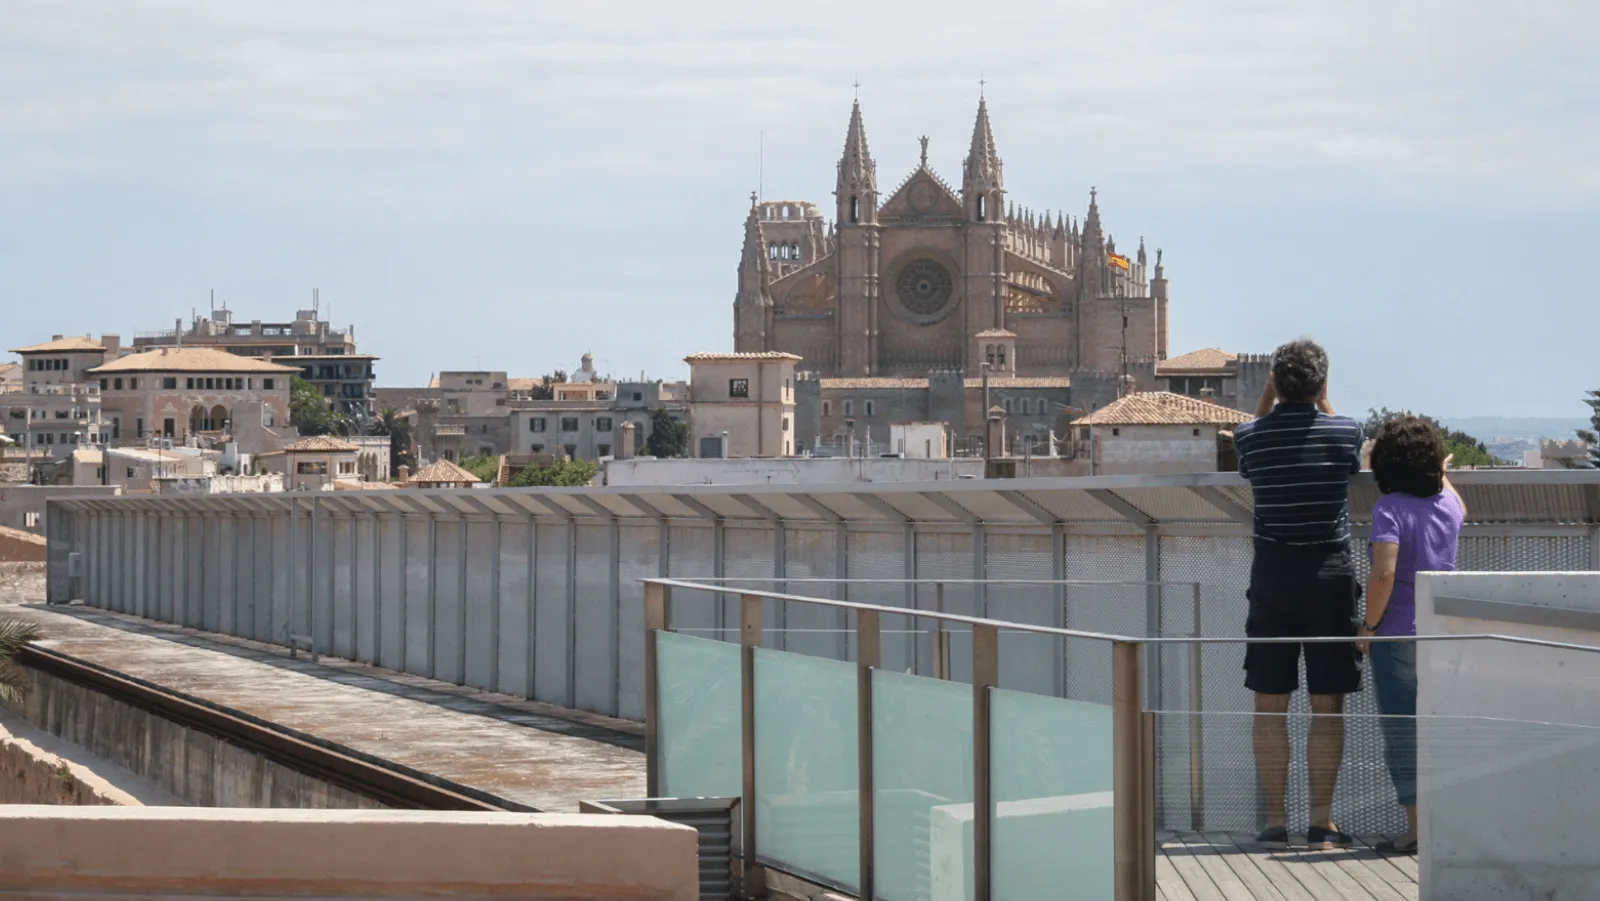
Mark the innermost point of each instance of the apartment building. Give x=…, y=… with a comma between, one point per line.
x=324, y=356
x=55, y=404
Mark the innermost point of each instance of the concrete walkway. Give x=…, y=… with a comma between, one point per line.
x=532, y=755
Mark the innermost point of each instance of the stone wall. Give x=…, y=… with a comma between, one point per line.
x=193, y=766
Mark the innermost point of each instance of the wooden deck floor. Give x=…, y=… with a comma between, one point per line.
x=1220, y=866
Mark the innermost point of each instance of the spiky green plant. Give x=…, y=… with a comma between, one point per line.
x=14, y=634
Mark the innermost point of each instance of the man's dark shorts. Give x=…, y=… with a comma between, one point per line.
x=1300, y=593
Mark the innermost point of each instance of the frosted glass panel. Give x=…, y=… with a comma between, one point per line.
x=699, y=725
x=922, y=788
x=807, y=776
x=1507, y=807
x=1050, y=773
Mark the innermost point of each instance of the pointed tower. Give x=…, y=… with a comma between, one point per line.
x=856, y=253
x=1092, y=253
x=982, y=188
x=752, y=305
x=983, y=196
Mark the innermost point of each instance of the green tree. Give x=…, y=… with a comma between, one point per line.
x=1467, y=450
x=546, y=389
x=668, y=437
x=563, y=473
x=14, y=634
x=486, y=468
x=1591, y=436
x=308, y=409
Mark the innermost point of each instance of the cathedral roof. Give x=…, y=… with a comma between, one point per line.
x=1206, y=360
x=1163, y=408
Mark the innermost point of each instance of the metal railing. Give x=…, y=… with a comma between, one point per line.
x=1133, y=730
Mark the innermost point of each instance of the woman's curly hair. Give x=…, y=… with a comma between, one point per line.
x=1408, y=457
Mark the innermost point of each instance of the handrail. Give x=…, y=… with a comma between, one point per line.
x=1011, y=626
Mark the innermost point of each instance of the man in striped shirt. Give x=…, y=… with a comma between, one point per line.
x=1298, y=457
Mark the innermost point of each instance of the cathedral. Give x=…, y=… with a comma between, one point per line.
x=935, y=279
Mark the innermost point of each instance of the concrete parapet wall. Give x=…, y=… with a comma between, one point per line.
x=193, y=766
x=196, y=853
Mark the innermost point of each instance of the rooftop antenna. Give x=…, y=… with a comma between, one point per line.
x=761, y=164
x=213, y=301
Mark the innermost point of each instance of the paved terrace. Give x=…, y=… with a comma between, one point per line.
x=525, y=754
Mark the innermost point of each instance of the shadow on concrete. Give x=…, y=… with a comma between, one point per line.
x=456, y=698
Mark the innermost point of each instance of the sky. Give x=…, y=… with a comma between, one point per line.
x=506, y=184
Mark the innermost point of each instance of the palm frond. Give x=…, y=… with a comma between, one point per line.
x=14, y=681
x=14, y=633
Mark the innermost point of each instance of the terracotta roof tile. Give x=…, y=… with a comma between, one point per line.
x=443, y=471
x=1206, y=359
x=740, y=357
x=868, y=384
x=191, y=359
x=1163, y=408
x=321, y=444
x=61, y=345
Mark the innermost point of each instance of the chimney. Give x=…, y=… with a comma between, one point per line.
x=404, y=473
x=994, y=440
x=56, y=337
x=113, y=346
x=177, y=331
x=624, y=450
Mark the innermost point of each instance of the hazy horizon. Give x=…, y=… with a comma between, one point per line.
x=506, y=186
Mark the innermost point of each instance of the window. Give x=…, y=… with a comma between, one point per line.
x=169, y=383
x=104, y=385
x=1197, y=433
x=1001, y=353
x=602, y=424
x=1006, y=405
x=1027, y=406
x=603, y=450
x=983, y=208
x=569, y=423
x=139, y=427
x=347, y=467
x=188, y=384
x=571, y=450
x=536, y=424
x=30, y=519
x=1044, y=406
x=738, y=387
x=311, y=468
x=785, y=424
x=871, y=408
x=130, y=472
x=638, y=396
x=536, y=448
x=167, y=428
x=1116, y=432
x=849, y=408
x=133, y=384
x=267, y=384
x=855, y=208
x=827, y=408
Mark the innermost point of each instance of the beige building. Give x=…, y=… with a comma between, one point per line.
x=55, y=405
x=314, y=464
x=918, y=279
x=742, y=404
x=1158, y=432
x=182, y=393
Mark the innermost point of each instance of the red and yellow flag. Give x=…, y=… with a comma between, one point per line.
x=1118, y=260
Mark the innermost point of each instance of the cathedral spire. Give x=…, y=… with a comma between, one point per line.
x=857, y=192
x=752, y=305
x=982, y=186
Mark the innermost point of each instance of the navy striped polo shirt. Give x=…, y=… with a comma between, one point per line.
x=1298, y=460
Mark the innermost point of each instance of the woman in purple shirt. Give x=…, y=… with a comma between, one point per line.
x=1414, y=529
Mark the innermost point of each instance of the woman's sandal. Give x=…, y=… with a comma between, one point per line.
x=1388, y=846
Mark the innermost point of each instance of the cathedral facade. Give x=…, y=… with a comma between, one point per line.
x=936, y=279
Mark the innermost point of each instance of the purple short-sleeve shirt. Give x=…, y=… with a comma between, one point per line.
x=1426, y=528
